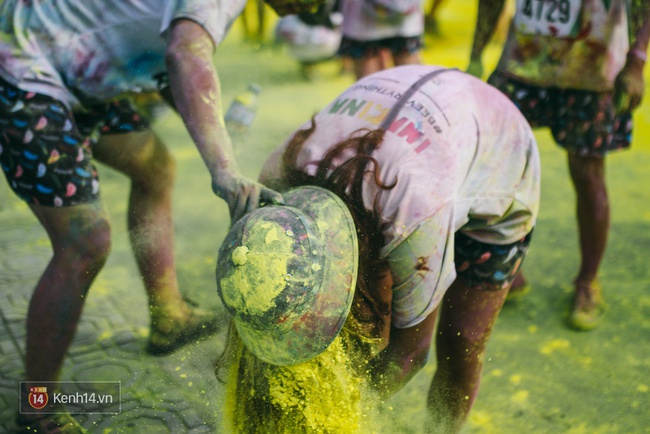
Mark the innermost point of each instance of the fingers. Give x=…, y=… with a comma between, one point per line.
x=268, y=196
x=252, y=195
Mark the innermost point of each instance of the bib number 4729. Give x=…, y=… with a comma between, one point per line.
x=558, y=18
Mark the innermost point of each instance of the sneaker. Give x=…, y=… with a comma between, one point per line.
x=60, y=423
x=197, y=325
x=587, y=316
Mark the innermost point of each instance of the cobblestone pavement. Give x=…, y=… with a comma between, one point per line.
x=177, y=393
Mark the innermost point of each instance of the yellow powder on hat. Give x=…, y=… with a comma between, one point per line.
x=258, y=278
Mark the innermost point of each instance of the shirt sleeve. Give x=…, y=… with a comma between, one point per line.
x=215, y=16
x=423, y=269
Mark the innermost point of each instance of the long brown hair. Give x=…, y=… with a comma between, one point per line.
x=346, y=181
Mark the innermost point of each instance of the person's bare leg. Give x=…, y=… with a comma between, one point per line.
x=146, y=161
x=593, y=214
x=80, y=238
x=368, y=65
x=407, y=59
x=261, y=20
x=466, y=319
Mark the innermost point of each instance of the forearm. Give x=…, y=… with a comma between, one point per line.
x=639, y=28
x=196, y=93
x=389, y=371
x=488, y=15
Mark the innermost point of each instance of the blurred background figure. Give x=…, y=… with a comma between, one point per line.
x=432, y=20
x=378, y=34
x=431, y=23
x=253, y=19
x=311, y=38
x=579, y=71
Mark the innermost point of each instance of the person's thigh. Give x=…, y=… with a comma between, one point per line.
x=81, y=231
x=140, y=155
x=127, y=143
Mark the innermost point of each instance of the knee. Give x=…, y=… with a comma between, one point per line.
x=89, y=244
x=586, y=171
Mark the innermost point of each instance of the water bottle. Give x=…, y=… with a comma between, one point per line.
x=241, y=113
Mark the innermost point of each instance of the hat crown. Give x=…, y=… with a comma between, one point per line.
x=273, y=267
x=287, y=275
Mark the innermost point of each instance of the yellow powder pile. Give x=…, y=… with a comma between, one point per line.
x=321, y=396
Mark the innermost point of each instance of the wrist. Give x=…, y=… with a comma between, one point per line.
x=637, y=54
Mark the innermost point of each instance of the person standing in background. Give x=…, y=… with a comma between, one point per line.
x=575, y=66
x=378, y=34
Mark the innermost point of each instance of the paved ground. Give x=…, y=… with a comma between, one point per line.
x=169, y=394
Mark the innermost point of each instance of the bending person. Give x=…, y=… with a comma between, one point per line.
x=416, y=157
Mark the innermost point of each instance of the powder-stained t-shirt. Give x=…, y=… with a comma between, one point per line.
x=574, y=44
x=464, y=159
x=361, y=26
x=85, y=51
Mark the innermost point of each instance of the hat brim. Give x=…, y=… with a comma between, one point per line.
x=318, y=327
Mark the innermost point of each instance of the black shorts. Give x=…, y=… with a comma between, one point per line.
x=488, y=266
x=582, y=122
x=46, y=150
x=398, y=46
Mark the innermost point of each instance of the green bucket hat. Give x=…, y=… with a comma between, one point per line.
x=287, y=275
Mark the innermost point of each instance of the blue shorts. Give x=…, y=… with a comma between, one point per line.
x=46, y=150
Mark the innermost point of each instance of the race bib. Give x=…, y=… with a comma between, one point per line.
x=557, y=18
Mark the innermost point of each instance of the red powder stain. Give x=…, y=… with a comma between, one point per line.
x=584, y=32
x=422, y=264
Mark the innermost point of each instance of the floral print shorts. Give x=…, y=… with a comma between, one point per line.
x=488, y=266
x=46, y=150
x=582, y=122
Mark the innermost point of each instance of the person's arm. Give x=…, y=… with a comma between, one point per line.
x=487, y=19
x=405, y=356
x=629, y=85
x=196, y=94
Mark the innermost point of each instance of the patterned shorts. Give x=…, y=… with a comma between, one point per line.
x=46, y=150
x=398, y=46
x=582, y=122
x=488, y=266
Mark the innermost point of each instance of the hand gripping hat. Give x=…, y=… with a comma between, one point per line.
x=287, y=275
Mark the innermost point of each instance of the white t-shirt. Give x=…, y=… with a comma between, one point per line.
x=464, y=159
x=359, y=25
x=586, y=53
x=92, y=50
